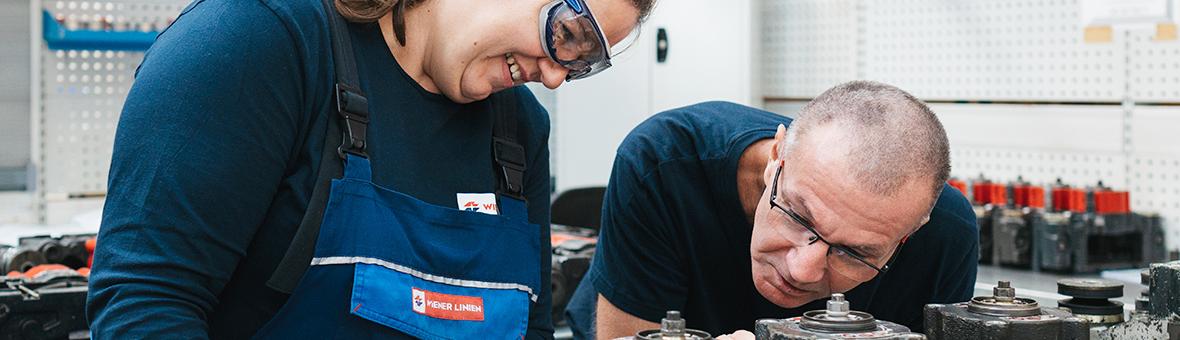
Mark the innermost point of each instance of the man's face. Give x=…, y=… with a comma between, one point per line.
x=816, y=184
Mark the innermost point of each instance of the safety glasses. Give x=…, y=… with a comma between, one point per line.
x=573, y=39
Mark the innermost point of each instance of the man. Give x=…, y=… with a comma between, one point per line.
x=714, y=212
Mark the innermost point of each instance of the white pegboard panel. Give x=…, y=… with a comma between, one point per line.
x=1155, y=166
x=82, y=92
x=1153, y=68
x=82, y=96
x=1039, y=166
x=1156, y=187
x=1000, y=50
x=808, y=46
x=1081, y=144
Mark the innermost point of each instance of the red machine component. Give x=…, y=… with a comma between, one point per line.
x=90, y=244
x=1108, y=201
x=990, y=193
x=1069, y=199
x=1031, y=196
x=958, y=184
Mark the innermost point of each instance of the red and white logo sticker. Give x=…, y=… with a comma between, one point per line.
x=483, y=203
x=446, y=306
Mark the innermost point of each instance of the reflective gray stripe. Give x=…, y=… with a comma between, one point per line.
x=321, y=261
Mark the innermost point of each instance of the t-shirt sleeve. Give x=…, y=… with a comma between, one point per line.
x=637, y=265
x=962, y=249
x=537, y=189
x=202, y=146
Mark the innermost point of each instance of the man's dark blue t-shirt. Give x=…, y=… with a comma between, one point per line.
x=218, y=149
x=674, y=235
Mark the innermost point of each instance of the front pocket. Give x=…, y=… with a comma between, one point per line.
x=432, y=307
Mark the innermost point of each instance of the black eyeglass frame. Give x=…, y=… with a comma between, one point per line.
x=815, y=236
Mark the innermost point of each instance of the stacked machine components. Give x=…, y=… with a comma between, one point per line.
x=1065, y=229
x=43, y=295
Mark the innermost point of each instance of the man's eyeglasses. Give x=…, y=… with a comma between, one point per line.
x=842, y=259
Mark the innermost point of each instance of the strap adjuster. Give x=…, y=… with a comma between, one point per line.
x=352, y=105
x=509, y=157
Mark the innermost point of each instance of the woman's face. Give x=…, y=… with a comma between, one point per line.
x=473, y=56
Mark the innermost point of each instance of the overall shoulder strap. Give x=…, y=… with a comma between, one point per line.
x=353, y=109
x=508, y=155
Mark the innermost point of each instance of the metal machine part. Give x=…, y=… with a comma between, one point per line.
x=672, y=327
x=1052, y=244
x=19, y=259
x=1143, y=302
x=51, y=305
x=1089, y=300
x=1002, y=316
x=835, y=322
x=1159, y=316
x=1012, y=236
x=983, y=216
x=573, y=248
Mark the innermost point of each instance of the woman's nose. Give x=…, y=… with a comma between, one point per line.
x=552, y=74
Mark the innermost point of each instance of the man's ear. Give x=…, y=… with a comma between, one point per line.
x=780, y=137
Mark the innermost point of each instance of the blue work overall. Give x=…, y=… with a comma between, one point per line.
x=388, y=265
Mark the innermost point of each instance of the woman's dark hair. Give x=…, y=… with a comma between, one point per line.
x=371, y=10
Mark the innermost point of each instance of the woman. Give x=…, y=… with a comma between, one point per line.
x=264, y=136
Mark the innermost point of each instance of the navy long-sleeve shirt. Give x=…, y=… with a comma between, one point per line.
x=217, y=152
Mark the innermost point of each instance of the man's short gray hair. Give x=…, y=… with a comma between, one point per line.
x=896, y=138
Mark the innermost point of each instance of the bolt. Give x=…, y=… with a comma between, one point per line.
x=672, y=326
x=1004, y=292
x=837, y=307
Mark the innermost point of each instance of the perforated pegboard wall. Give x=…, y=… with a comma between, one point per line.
x=1153, y=68
x=809, y=46
x=1021, y=50
x=81, y=93
x=1155, y=165
x=1080, y=144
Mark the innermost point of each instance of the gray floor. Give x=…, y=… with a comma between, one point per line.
x=1043, y=286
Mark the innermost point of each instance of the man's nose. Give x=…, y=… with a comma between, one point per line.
x=809, y=263
x=552, y=74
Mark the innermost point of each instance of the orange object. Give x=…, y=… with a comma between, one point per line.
x=1025, y=195
x=1112, y=202
x=1069, y=199
x=90, y=245
x=958, y=184
x=43, y=268
x=84, y=271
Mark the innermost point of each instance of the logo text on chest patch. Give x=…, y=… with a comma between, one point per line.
x=446, y=306
x=483, y=203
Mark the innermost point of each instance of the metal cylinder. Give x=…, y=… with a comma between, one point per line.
x=835, y=322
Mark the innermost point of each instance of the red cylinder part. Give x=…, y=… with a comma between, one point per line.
x=1020, y=195
x=1069, y=199
x=980, y=192
x=1112, y=202
x=998, y=194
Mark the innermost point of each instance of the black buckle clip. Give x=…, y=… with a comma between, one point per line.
x=509, y=157
x=352, y=105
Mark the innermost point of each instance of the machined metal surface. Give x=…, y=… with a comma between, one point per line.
x=835, y=322
x=1002, y=316
x=1158, y=318
x=672, y=327
x=1003, y=302
x=1090, y=300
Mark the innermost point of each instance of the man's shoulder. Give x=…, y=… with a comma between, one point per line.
x=702, y=130
x=952, y=227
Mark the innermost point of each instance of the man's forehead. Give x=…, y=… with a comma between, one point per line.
x=842, y=214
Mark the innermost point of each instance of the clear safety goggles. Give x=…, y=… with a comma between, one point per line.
x=572, y=38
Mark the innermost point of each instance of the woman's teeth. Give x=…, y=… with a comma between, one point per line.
x=513, y=67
